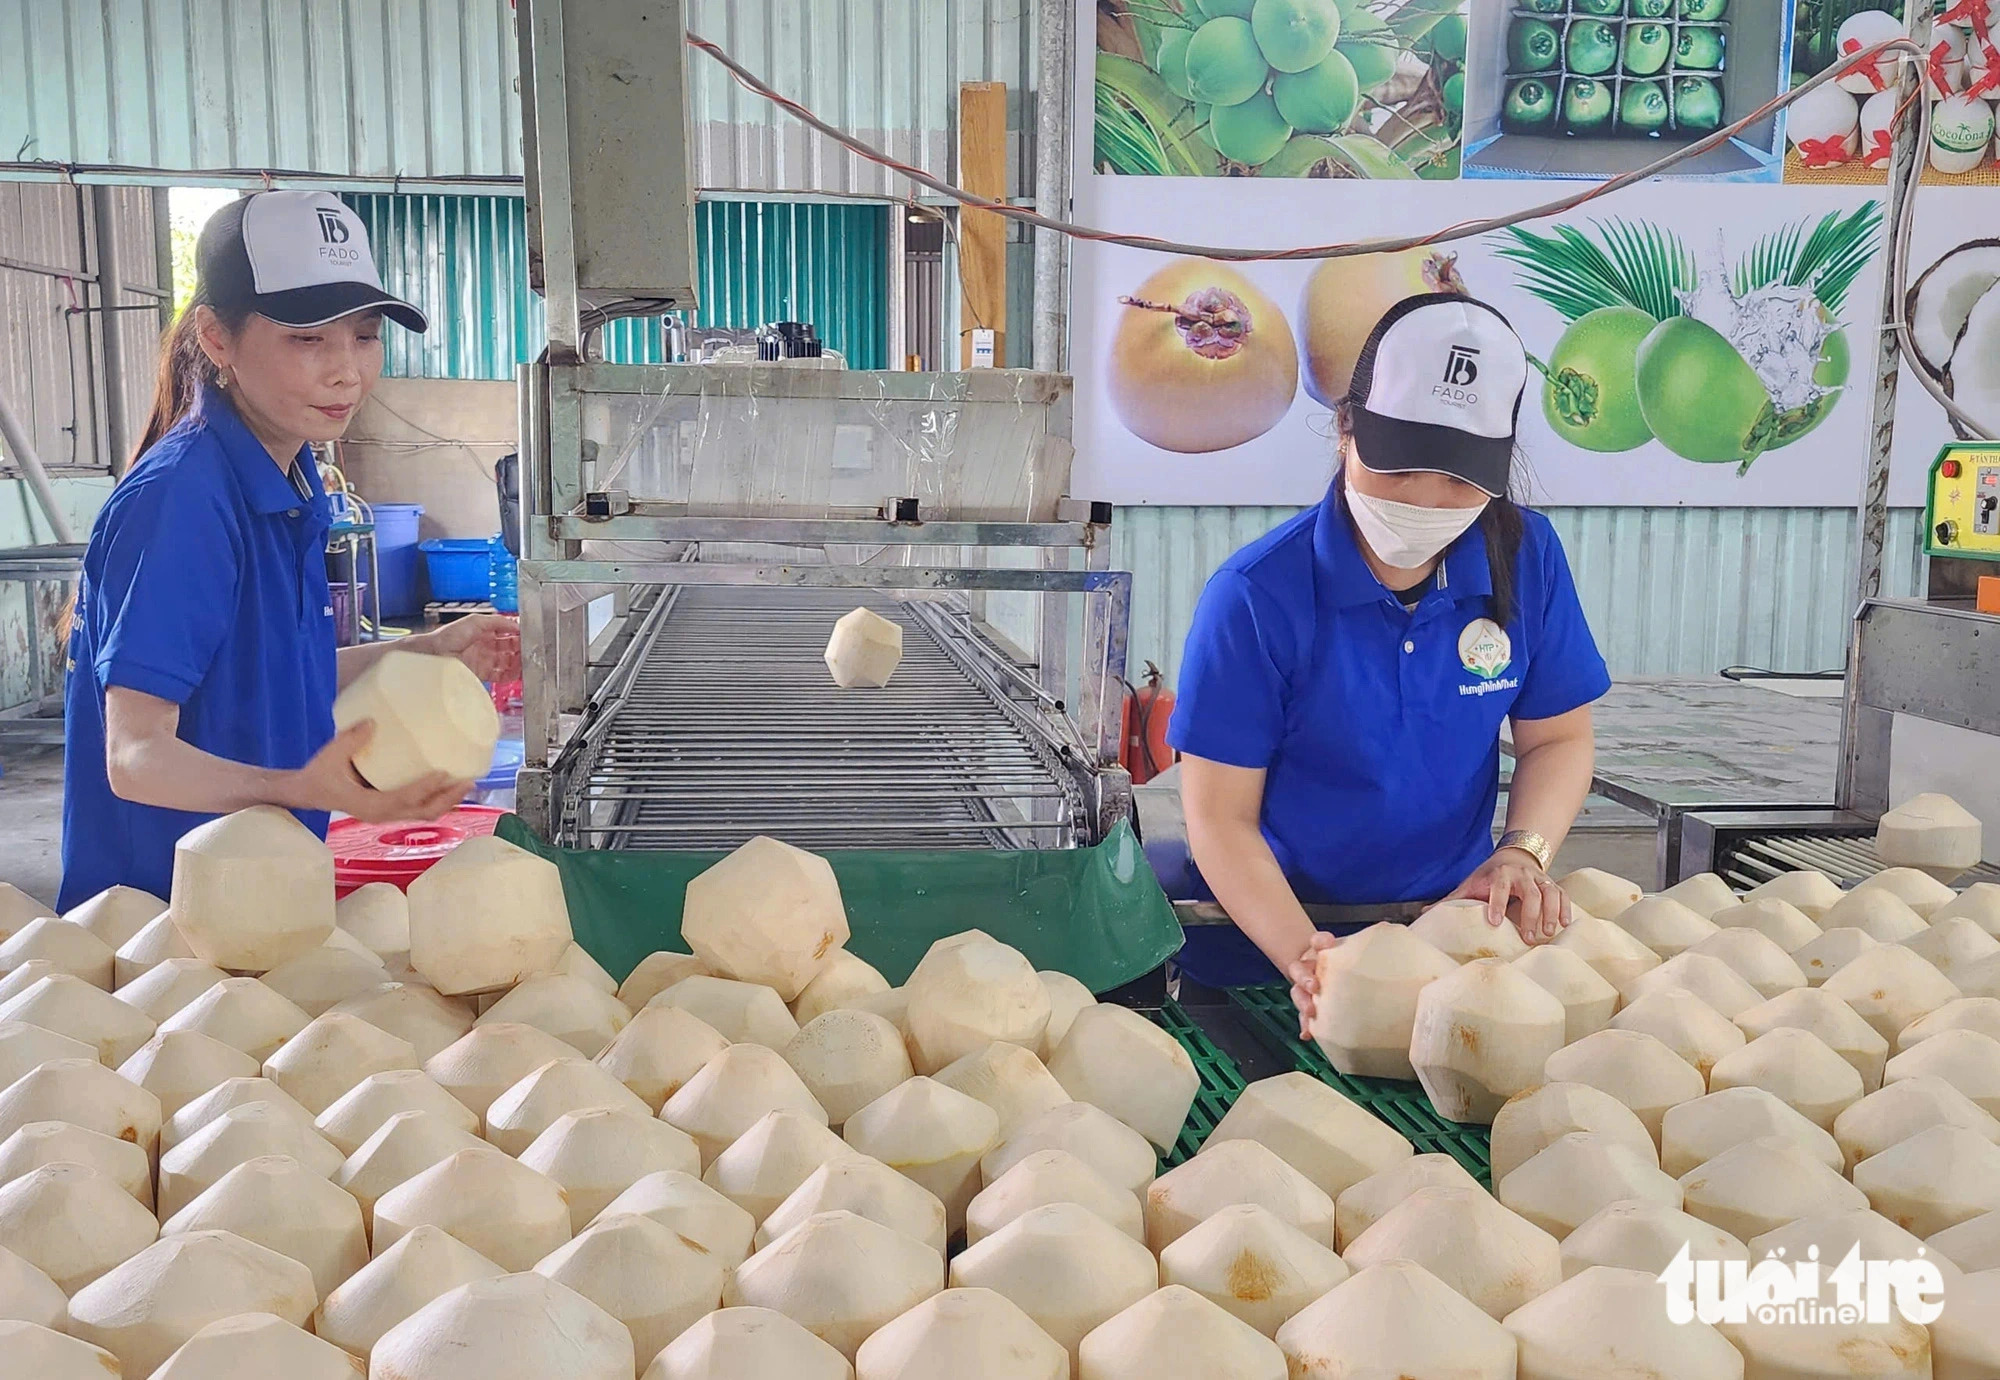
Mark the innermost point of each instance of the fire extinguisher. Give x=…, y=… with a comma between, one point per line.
x=1148, y=710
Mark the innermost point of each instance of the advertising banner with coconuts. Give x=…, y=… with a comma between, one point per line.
x=1702, y=339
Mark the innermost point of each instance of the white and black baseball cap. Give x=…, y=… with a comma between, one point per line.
x=296, y=258
x=1437, y=389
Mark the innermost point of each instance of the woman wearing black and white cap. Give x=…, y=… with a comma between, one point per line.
x=1347, y=676
x=203, y=660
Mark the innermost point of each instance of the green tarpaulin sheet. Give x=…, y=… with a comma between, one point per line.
x=1097, y=914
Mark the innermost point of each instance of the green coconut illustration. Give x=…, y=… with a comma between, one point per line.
x=1697, y=104
x=1704, y=11
x=1530, y=107
x=1295, y=34
x=1652, y=9
x=1642, y=109
x=1600, y=7
x=1587, y=106
x=1533, y=45
x=1647, y=48
x=1699, y=48
x=1249, y=131
x=1321, y=99
x=1541, y=6
x=1592, y=47
x=1224, y=64
x=1590, y=395
x=1373, y=62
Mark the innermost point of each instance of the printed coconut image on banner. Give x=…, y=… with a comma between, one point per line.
x=1954, y=308
x=1280, y=88
x=1840, y=133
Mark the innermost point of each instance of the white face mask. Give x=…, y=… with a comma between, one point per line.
x=1404, y=535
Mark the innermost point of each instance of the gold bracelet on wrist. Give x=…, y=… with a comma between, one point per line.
x=1531, y=843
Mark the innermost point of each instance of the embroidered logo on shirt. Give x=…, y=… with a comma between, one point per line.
x=1485, y=649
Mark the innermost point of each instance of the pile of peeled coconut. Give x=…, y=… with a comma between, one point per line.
x=251, y=1131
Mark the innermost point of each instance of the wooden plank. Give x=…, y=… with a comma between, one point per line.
x=982, y=236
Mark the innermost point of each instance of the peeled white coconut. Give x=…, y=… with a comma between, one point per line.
x=1227, y=1173
x=27, y=1296
x=147, y=1308
x=1603, y=894
x=72, y=1223
x=1833, y=1235
x=1175, y=1331
x=577, y=963
x=26, y=976
x=1760, y=1185
x=1901, y=1109
x=1051, y=1176
x=842, y=980
x=401, y=1148
x=425, y=1264
x=1980, y=979
x=1007, y=1078
x=838, y=1275
x=1064, y=1266
x=1261, y=1270
x=516, y=1327
x=1967, y=1059
x=1493, y=1256
x=1757, y=959
x=971, y=1334
x=655, y=974
x=17, y=908
x=864, y=650
x=765, y=1164
x=1604, y=1321
x=58, y=1142
x=1666, y=926
x=659, y=1049
x=1118, y=1060
x=488, y=1060
x=1634, y=1235
x=847, y=1059
x=741, y=1012
x=596, y=1154
x=1895, y=1350
x=1877, y=912
x=1953, y=944
x=1931, y=833
x=1461, y=932
x=226, y=1097
x=1796, y=1067
x=1618, y=958
x=25, y=1048
x=1832, y=951
x=70, y=947
x=1633, y=1067
x=366, y=1107
x=1392, y=1320
x=84, y=1093
x=1708, y=977
x=1779, y=921
x=486, y=916
x=1967, y=1013
x=413, y=1011
x=1889, y=986
x=1067, y=996
x=1533, y=1121
x=258, y=1344
x=686, y=1205
x=1696, y=1132
x=768, y=913
x=169, y=985
x=1684, y=1023
x=558, y=1087
x=45, y=1353
x=252, y=890
x=867, y=1188
x=568, y=1008
x=70, y=1006
x=1964, y=1343
x=736, y=1342
x=1363, y=1205
x=1915, y=888
x=431, y=717
x=1314, y=1129
x=1979, y=903
x=932, y=1133
x=965, y=995
x=318, y=981
x=1587, y=999
x=378, y=915
x=1939, y=1177
x=1973, y=1245
x=893, y=1006
x=279, y=1204
x=733, y=1092
x=1368, y=986
x=1100, y=1140
x=177, y=1066
x=241, y=1012
x=1812, y=892
x=1581, y=1173
x=238, y=1136
x=498, y=1206
x=653, y=1281
x=331, y=1056
x=1704, y=894
x=1483, y=1034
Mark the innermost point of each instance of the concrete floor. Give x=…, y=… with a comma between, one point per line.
x=31, y=820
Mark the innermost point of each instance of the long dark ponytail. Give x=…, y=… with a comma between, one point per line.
x=184, y=368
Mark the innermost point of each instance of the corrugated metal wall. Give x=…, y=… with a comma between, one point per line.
x=1669, y=591
x=423, y=90
x=464, y=258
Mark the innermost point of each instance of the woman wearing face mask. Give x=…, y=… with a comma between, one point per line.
x=202, y=653
x=1346, y=677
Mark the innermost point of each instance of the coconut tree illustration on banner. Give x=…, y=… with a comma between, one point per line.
x=1719, y=360
x=1280, y=88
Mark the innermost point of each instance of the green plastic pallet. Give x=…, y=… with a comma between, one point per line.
x=1274, y=1020
x=1221, y=1081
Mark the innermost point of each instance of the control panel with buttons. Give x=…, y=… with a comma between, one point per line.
x=1962, y=509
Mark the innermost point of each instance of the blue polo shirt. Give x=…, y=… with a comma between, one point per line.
x=1378, y=727
x=204, y=584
